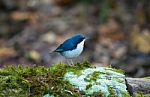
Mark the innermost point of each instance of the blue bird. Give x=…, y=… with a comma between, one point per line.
x=71, y=47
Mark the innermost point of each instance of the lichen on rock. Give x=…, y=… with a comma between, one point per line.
x=101, y=80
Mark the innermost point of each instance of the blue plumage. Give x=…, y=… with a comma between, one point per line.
x=72, y=47
x=70, y=43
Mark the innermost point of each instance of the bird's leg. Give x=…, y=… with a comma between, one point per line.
x=67, y=62
x=71, y=62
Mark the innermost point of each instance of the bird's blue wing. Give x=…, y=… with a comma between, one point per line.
x=66, y=45
x=70, y=44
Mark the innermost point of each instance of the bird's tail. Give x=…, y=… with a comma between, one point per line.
x=51, y=52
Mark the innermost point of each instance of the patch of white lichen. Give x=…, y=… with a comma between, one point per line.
x=48, y=95
x=105, y=81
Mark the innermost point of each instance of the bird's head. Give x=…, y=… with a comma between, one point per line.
x=77, y=38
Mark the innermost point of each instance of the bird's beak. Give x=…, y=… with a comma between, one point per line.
x=50, y=52
x=87, y=38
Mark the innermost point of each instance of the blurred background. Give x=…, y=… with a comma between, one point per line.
x=119, y=32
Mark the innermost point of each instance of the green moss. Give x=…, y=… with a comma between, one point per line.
x=112, y=92
x=125, y=94
x=37, y=81
x=88, y=86
x=26, y=81
x=79, y=66
x=116, y=70
x=148, y=77
x=92, y=77
x=97, y=94
x=139, y=94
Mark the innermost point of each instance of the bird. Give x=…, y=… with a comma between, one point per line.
x=72, y=47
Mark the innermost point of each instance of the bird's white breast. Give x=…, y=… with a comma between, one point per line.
x=76, y=52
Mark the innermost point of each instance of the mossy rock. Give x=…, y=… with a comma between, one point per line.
x=62, y=80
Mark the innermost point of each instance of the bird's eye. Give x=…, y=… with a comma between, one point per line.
x=82, y=38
